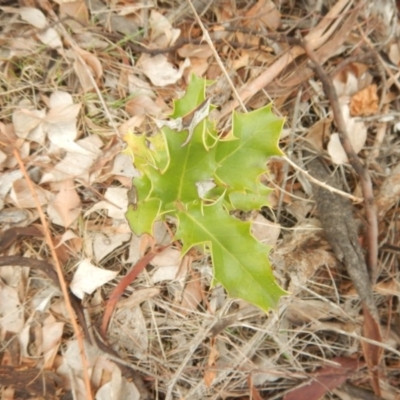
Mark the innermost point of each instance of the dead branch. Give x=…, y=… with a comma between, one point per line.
x=361, y=170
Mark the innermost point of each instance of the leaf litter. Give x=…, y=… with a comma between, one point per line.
x=69, y=97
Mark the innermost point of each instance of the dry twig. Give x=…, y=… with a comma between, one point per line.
x=361, y=170
x=63, y=285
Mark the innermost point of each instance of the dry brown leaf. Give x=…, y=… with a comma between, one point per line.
x=118, y=388
x=87, y=63
x=265, y=231
x=27, y=124
x=192, y=294
x=169, y=257
x=388, y=288
x=372, y=353
x=318, y=132
x=263, y=14
x=389, y=192
x=87, y=278
x=351, y=79
x=116, y=203
x=199, y=66
x=304, y=311
x=51, y=38
x=11, y=310
x=78, y=11
x=21, y=195
x=357, y=132
x=138, y=297
x=162, y=32
x=324, y=380
x=65, y=208
x=52, y=331
x=211, y=373
x=365, y=102
x=142, y=105
x=167, y=273
x=104, y=244
x=195, y=50
x=33, y=16
x=394, y=53
x=77, y=162
x=160, y=71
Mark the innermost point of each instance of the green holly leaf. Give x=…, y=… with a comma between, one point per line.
x=186, y=152
x=241, y=159
x=248, y=200
x=240, y=262
x=194, y=96
x=142, y=221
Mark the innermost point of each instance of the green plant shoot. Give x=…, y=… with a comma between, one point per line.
x=186, y=154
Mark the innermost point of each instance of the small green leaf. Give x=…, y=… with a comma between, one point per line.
x=242, y=160
x=240, y=262
x=187, y=152
x=194, y=96
x=248, y=201
x=142, y=220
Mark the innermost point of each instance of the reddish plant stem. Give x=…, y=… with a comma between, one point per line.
x=355, y=162
x=123, y=284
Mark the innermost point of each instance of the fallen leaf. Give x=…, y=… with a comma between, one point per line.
x=210, y=372
x=88, y=68
x=65, y=208
x=162, y=33
x=357, y=132
x=52, y=331
x=372, y=353
x=120, y=390
x=142, y=105
x=195, y=50
x=104, y=244
x=169, y=257
x=192, y=294
x=388, y=288
x=116, y=205
x=318, y=132
x=22, y=197
x=365, y=102
x=27, y=122
x=389, y=192
x=11, y=310
x=167, y=273
x=325, y=379
x=304, y=311
x=51, y=38
x=34, y=17
x=265, y=231
x=263, y=14
x=77, y=10
x=77, y=162
x=123, y=166
x=160, y=71
x=87, y=278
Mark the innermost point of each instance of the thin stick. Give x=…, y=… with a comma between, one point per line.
x=365, y=179
x=63, y=285
x=216, y=55
x=322, y=184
